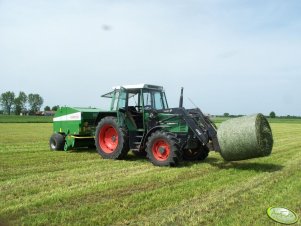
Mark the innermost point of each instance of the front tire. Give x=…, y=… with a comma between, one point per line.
x=57, y=142
x=163, y=150
x=111, y=141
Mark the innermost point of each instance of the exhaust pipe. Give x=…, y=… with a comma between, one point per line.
x=181, y=98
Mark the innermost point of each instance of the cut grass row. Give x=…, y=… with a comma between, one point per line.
x=39, y=186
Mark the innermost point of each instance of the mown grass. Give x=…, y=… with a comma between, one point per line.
x=42, y=187
x=25, y=119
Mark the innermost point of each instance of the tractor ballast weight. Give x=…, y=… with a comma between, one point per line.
x=139, y=120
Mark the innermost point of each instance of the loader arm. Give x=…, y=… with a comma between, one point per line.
x=204, y=132
x=211, y=129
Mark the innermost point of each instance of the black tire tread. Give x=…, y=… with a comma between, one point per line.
x=59, y=141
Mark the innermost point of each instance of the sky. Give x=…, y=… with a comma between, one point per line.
x=234, y=56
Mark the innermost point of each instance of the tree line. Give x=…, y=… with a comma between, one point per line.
x=21, y=103
x=271, y=115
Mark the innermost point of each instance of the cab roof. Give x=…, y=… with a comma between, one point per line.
x=139, y=86
x=133, y=87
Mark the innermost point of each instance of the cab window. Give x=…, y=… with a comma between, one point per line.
x=154, y=99
x=133, y=99
x=158, y=101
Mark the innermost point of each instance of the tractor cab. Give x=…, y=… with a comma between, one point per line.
x=136, y=104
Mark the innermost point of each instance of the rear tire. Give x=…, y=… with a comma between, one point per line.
x=163, y=150
x=111, y=141
x=57, y=142
x=199, y=153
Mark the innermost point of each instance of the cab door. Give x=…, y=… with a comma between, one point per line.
x=147, y=108
x=121, y=105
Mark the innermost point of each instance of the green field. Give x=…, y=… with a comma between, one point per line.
x=42, y=187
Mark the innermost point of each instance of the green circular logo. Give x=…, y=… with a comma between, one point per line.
x=282, y=215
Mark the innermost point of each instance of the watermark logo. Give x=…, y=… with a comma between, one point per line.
x=282, y=215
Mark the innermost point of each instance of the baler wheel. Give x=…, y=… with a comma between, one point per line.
x=199, y=153
x=111, y=141
x=163, y=150
x=57, y=142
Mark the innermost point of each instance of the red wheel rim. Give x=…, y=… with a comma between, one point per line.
x=161, y=150
x=108, y=139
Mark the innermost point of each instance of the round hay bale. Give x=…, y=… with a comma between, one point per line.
x=245, y=137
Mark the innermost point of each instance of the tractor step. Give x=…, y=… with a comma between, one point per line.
x=135, y=139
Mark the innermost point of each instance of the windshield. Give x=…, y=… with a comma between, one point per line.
x=153, y=99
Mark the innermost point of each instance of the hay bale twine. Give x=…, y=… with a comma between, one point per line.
x=245, y=137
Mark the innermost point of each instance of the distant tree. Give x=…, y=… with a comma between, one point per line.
x=47, y=108
x=35, y=102
x=226, y=114
x=54, y=108
x=7, y=100
x=272, y=114
x=20, y=103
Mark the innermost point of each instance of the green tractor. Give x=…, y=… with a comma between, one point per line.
x=139, y=120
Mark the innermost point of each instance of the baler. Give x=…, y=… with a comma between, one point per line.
x=140, y=120
x=73, y=127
